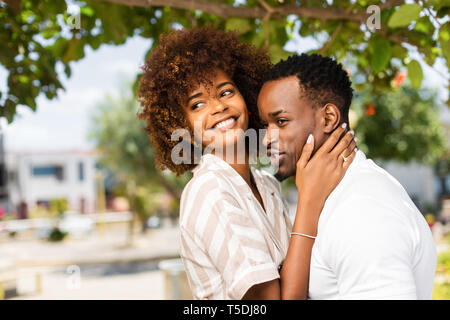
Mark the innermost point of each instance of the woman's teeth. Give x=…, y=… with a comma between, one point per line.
x=226, y=124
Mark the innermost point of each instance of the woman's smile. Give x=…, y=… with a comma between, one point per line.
x=226, y=124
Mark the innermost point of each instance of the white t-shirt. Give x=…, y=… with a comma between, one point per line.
x=372, y=241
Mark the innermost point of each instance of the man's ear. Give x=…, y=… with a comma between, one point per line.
x=331, y=117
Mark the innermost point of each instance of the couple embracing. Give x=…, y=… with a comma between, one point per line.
x=356, y=233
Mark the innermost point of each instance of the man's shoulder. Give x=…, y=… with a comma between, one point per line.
x=368, y=180
x=369, y=191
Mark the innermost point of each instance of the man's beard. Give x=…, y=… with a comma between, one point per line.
x=280, y=176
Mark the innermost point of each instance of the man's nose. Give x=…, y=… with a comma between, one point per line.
x=270, y=139
x=267, y=139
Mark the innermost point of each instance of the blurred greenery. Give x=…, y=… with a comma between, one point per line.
x=441, y=290
x=443, y=262
x=57, y=235
x=58, y=207
x=402, y=125
x=124, y=149
x=40, y=38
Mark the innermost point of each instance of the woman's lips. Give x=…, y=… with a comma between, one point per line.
x=226, y=124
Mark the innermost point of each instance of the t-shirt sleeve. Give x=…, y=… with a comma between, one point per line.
x=233, y=243
x=369, y=248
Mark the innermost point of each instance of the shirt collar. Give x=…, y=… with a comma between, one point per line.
x=359, y=157
x=209, y=159
x=212, y=161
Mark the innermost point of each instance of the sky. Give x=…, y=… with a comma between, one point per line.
x=63, y=123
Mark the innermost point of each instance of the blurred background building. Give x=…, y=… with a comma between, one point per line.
x=34, y=179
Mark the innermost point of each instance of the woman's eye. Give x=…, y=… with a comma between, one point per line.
x=226, y=93
x=280, y=122
x=197, y=105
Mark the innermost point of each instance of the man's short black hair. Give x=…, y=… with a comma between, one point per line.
x=322, y=80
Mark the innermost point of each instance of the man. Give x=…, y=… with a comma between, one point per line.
x=372, y=241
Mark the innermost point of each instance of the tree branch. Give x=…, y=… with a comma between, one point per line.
x=227, y=11
x=332, y=38
x=14, y=5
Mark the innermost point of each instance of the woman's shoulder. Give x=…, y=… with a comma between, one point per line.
x=268, y=179
x=203, y=181
x=203, y=187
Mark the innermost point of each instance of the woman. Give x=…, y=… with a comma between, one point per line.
x=235, y=230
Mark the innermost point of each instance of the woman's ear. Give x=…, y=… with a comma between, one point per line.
x=331, y=117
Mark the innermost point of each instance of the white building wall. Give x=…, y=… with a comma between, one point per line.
x=418, y=180
x=31, y=188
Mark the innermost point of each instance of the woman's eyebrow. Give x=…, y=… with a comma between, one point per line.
x=193, y=97
x=224, y=84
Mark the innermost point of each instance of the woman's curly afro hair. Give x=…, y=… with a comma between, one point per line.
x=182, y=60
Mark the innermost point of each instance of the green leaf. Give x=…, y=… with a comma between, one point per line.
x=238, y=24
x=444, y=41
x=277, y=53
x=398, y=51
x=405, y=15
x=424, y=25
x=88, y=11
x=59, y=47
x=438, y=4
x=415, y=73
x=381, y=54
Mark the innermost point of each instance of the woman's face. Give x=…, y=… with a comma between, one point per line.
x=217, y=112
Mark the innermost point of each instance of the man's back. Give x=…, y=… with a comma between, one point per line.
x=372, y=242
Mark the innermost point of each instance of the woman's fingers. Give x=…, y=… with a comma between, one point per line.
x=343, y=144
x=350, y=158
x=332, y=139
x=306, y=152
x=347, y=151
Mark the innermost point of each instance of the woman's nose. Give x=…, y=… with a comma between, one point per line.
x=218, y=107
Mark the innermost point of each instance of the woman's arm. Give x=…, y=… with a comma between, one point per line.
x=315, y=178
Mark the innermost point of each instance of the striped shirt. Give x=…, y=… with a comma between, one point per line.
x=228, y=242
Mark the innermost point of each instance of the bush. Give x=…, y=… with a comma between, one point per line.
x=56, y=235
x=441, y=291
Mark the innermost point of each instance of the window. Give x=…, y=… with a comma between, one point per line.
x=81, y=171
x=48, y=171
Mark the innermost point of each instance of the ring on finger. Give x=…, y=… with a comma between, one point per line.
x=344, y=157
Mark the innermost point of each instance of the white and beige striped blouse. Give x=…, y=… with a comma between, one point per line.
x=228, y=242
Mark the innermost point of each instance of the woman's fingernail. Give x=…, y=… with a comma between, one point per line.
x=352, y=132
x=344, y=125
x=309, y=138
x=356, y=139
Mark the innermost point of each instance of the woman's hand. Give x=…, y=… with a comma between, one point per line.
x=317, y=177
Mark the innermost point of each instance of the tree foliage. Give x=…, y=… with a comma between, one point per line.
x=124, y=148
x=410, y=127
x=37, y=36
x=39, y=40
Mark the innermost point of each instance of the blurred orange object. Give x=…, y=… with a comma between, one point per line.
x=429, y=217
x=399, y=78
x=370, y=111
